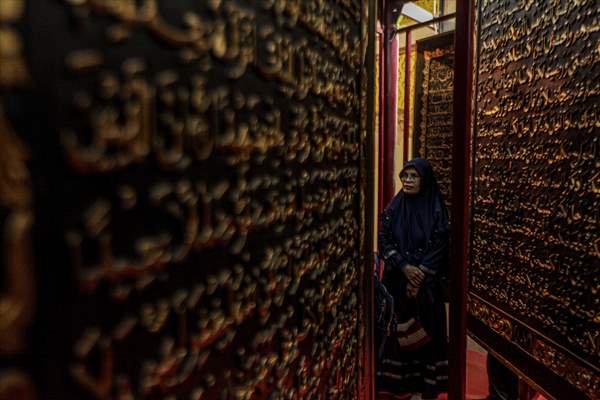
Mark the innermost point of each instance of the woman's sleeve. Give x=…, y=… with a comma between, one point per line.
x=387, y=245
x=436, y=257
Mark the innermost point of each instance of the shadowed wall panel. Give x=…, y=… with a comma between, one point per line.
x=535, y=274
x=193, y=173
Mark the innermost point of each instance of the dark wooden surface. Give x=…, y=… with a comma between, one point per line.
x=407, y=100
x=390, y=99
x=433, y=116
x=461, y=148
x=367, y=391
x=196, y=177
x=534, y=274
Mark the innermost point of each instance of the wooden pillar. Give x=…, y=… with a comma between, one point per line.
x=461, y=171
x=382, y=114
x=367, y=386
x=525, y=391
x=390, y=94
x=407, y=59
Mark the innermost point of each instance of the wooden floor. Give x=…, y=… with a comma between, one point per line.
x=477, y=385
x=477, y=379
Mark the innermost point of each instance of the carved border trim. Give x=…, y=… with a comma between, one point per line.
x=537, y=347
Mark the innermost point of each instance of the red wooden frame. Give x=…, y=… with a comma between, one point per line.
x=461, y=173
x=382, y=114
x=407, y=62
x=366, y=387
x=390, y=98
x=461, y=169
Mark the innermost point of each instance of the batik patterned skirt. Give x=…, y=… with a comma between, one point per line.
x=416, y=360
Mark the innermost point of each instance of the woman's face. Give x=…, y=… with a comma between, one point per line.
x=411, y=180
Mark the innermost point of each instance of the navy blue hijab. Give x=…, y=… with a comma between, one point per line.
x=420, y=221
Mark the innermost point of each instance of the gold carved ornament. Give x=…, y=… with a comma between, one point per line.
x=252, y=126
x=537, y=118
x=17, y=298
x=539, y=348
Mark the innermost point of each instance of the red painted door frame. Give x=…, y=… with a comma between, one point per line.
x=407, y=62
x=460, y=185
x=391, y=10
x=382, y=114
x=461, y=168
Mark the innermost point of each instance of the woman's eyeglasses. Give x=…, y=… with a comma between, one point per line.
x=409, y=176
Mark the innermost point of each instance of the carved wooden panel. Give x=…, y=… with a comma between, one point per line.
x=17, y=273
x=535, y=274
x=434, y=100
x=194, y=173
